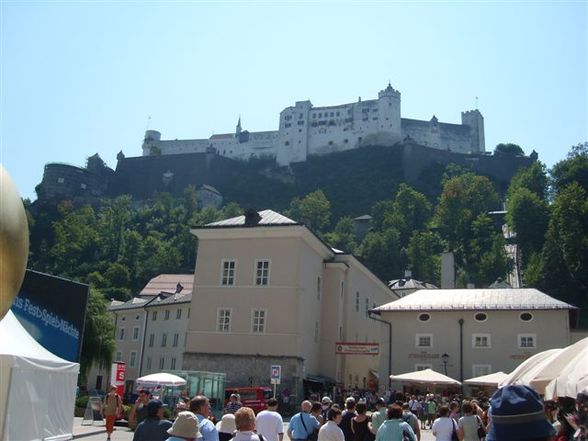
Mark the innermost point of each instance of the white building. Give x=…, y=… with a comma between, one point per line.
x=268, y=291
x=480, y=330
x=306, y=130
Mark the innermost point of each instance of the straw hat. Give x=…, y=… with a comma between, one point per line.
x=226, y=424
x=185, y=426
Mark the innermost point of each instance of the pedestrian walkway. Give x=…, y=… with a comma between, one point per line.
x=80, y=431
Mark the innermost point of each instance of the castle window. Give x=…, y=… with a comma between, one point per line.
x=299, y=130
x=337, y=113
x=330, y=142
x=375, y=118
x=287, y=125
x=83, y=186
x=287, y=143
x=300, y=123
x=301, y=116
x=314, y=115
x=332, y=113
x=60, y=180
x=320, y=115
x=365, y=119
x=345, y=141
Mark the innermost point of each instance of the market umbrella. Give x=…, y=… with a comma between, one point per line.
x=428, y=376
x=573, y=378
x=487, y=380
x=525, y=371
x=161, y=379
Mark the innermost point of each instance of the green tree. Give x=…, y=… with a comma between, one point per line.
x=343, y=237
x=572, y=169
x=508, y=149
x=382, y=253
x=424, y=256
x=533, y=178
x=528, y=215
x=314, y=210
x=410, y=211
x=98, y=340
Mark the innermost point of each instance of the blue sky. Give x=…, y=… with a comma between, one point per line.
x=83, y=77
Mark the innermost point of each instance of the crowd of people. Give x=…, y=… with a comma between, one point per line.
x=513, y=413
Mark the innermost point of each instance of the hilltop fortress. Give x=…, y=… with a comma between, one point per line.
x=307, y=130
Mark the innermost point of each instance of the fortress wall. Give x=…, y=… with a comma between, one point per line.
x=173, y=147
x=441, y=136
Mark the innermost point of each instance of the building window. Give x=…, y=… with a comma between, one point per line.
x=526, y=316
x=133, y=359
x=224, y=320
x=481, y=341
x=318, y=288
x=136, y=333
x=179, y=314
x=121, y=334
x=60, y=180
x=481, y=369
x=123, y=319
x=228, y=272
x=185, y=339
x=151, y=340
x=262, y=268
x=118, y=356
x=422, y=367
x=166, y=316
x=188, y=312
x=527, y=341
x=161, y=362
x=175, y=341
x=148, y=363
x=357, y=301
x=172, y=364
x=424, y=340
x=163, y=340
x=154, y=315
x=424, y=317
x=316, y=332
x=480, y=316
x=258, y=321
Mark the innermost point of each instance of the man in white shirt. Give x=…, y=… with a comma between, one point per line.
x=269, y=423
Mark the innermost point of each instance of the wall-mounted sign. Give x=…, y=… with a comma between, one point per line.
x=357, y=348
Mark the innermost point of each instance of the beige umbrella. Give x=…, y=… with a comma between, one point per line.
x=427, y=376
x=525, y=371
x=573, y=378
x=487, y=380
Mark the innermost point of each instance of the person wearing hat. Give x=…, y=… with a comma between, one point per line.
x=226, y=427
x=154, y=427
x=185, y=428
x=517, y=414
x=326, y=404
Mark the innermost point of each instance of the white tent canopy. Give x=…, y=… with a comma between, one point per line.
x=426, y=376
x=487, y=380
x=37, y=388
x=573, y=377
x=161, y=379
x=526, y=370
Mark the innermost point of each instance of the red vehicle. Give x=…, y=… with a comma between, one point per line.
x=253, y=397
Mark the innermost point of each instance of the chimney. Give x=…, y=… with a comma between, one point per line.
x=447, y=271
x=252, y=217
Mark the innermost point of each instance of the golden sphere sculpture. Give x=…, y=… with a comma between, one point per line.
x=14, y=242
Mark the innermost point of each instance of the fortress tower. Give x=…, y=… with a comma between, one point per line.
x=475, y=121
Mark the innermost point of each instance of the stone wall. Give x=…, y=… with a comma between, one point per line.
x=246, y=370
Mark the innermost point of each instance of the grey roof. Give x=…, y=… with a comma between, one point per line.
x=475, y=299
x=268, y=217
x=364, y=217
x=134, y=303
x=409, y=283
x=170, y=300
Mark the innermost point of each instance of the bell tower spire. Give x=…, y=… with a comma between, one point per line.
x=238, y=129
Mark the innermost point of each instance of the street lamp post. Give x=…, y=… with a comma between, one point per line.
x=445, y=358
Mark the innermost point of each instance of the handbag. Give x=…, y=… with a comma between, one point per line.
x=454, y=436
x=481, y=431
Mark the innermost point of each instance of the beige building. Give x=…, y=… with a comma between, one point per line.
x=268, y=291
x=472, y=332
x=150, y=330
